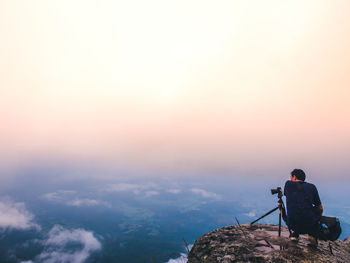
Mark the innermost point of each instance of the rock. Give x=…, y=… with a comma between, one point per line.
x=260, y=243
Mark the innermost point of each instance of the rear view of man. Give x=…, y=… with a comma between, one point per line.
x=304, y=207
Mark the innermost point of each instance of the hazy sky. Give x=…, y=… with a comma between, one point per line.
x=168, y=85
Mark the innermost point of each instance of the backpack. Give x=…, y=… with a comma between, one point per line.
x=329, y=228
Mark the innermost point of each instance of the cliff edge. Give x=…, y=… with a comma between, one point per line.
x=260, y=243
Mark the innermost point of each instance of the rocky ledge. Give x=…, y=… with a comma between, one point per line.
x=260, y=243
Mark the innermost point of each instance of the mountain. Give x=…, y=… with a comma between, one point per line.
x=260, y=243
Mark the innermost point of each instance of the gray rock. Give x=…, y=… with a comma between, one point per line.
x=260, y=243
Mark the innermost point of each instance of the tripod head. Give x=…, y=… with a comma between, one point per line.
x=278, y=191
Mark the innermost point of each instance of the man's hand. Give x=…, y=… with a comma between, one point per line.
x=319, y=210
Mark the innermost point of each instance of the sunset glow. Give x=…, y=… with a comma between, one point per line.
x=177, y=85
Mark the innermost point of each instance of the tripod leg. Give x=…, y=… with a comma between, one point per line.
x=271, y=211
x=279, y=220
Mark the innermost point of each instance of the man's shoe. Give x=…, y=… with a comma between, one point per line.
x=294, y=239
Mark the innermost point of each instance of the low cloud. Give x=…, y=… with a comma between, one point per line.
x=87, y=202
x=151, y=193
x=58, y=246
x=67, y=198
x=135, y=188
x=58, y=196
x=251, y=214
x=15, y=216
x=146, y=189
x=174, y=191
x=182, y=258
x=205, y=193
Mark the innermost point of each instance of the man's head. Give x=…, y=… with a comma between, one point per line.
x=298, y=174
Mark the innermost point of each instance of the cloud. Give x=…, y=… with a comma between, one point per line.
x=87, y=202
x=66, y=197
x=58, y=196
x=134, y=188
x=151, y=193
x=251, y=214
x=16, y=216
x=174, y=191
x=182, y=258
x=205, y=193
x=73, y=246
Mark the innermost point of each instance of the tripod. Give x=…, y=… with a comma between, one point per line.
x=280, y=207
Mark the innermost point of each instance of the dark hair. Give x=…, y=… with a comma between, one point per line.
x=299, y=174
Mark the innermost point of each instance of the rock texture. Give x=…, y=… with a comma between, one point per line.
x=260, y=243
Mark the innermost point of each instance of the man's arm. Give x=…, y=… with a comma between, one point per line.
x=319, y=209
x=285, y=190
x=317, y=202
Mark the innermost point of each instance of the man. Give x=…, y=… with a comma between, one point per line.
x=304, y=207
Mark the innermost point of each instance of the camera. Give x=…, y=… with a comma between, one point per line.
x=278, y=191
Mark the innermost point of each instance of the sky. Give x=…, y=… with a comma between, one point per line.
x=169, y=87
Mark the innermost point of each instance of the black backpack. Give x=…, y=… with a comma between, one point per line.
x=330, y=229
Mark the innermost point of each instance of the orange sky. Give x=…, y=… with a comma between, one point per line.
x=234, y=85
